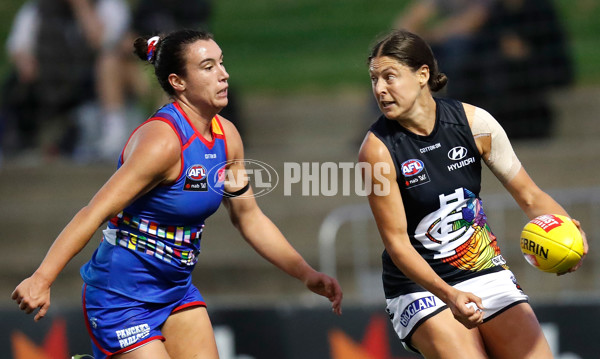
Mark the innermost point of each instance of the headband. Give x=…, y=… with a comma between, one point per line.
x=151, y=47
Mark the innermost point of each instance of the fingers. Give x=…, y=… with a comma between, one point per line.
x=475, y=319
x=41, y=313
x=29, y=306
x=585, y=249
x=330, y=288
x=335, y=295
x=15, y=296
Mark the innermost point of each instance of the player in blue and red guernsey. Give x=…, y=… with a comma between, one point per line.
x=138, y=298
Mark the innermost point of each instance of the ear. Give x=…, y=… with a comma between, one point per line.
x=423, y=74
x=177, y=82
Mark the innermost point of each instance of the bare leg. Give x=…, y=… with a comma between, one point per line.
x=189, y=334
x=515, y=334
x=442, y=336
x=154, y=349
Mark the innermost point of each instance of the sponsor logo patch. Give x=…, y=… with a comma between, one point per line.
x=131, y=335
x=414, y=173
x=547, y=222
x=457, y=153
x=415, y=307
x=195, y=179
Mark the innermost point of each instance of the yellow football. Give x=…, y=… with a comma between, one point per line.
x=551, y=243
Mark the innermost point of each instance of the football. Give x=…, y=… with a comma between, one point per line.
x=551, y=243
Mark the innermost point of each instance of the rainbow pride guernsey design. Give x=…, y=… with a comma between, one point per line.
x=439, y=177
x=149, y=250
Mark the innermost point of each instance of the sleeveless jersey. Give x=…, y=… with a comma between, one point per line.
x=150, y=249
x=439, y=176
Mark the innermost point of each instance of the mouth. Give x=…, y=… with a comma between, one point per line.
x=386, y=104
x=223, y=92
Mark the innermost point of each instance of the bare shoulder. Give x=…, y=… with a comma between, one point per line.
x=155, y=141
x=470, y=112
x=373, y=150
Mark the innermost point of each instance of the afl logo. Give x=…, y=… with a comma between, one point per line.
x=196, y=172
x=412, y=167
x=457, y=153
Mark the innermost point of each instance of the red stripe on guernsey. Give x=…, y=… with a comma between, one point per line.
x=222, y=136
x=189, y=305
x=189, y=142
x=208, y=144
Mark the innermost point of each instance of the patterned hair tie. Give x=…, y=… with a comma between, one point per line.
x=151, y=47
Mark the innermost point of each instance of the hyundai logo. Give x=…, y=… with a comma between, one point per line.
x=457, y=153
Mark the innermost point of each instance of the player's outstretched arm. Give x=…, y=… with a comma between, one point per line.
x=152, y=157
x=263, y=235
x=266, y=239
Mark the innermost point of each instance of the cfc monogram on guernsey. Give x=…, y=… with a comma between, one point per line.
x=156, y=239
x=439, y=177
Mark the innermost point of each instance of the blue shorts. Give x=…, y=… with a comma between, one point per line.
x=118, y=324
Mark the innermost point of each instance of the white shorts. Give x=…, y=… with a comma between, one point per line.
x=498, y=292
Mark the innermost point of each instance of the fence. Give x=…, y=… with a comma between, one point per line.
x=506, y=221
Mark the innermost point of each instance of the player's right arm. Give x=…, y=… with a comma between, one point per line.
x=390, y=217
x=152, y=157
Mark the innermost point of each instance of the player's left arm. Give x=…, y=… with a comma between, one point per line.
x=263, y=235
x=499, y=155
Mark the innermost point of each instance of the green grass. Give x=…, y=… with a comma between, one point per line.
x=283, y=45
x=582, y=22
x=280, y=46
x=321, y=45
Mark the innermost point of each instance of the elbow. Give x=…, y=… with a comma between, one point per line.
x=236, y=222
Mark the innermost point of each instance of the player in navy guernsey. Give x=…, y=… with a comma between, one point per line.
x=138, y=298
x=449, y=291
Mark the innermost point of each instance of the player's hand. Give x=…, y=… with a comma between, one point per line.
x=31, y=294
x=467, y=308
x=585, y=248
x=328, y=287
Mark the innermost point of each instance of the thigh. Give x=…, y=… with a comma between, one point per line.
x=514, y=334
x=442, y=336
x=188, y=334
x=154, y=349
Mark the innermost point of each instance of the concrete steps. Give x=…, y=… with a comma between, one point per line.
x=37, y=201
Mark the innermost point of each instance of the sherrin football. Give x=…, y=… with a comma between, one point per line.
x=551, y=243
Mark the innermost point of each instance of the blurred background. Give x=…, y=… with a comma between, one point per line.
x=300, y=93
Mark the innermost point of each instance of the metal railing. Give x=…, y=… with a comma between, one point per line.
x=581, y=203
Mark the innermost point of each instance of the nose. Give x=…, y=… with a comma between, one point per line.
x=224, y=74
x=378, y=88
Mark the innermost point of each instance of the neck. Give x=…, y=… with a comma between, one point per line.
x=421, y=119
x=200, y=119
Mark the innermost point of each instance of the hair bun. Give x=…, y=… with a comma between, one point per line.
x=438, y=82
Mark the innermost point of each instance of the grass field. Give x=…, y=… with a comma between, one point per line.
x=320, y=45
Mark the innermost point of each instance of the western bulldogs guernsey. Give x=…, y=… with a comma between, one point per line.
x=149, y=250
x=440, y=178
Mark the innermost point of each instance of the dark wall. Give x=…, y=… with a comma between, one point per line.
x=298, y=332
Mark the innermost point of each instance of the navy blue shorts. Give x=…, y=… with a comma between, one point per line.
x=118, y=324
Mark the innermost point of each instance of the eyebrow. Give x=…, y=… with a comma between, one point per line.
x=382, y=70
x=210, y=59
